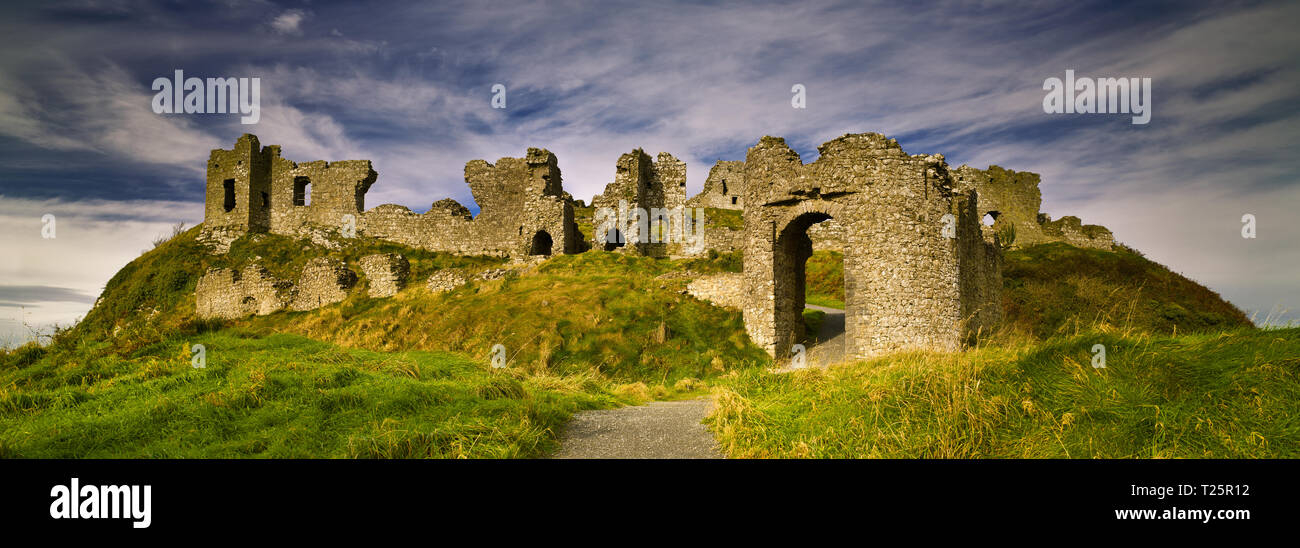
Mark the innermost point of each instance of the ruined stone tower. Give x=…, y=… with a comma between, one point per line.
x=650, y=185
x=238, y=197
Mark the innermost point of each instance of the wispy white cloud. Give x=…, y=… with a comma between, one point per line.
x=289, y=22
x=410, y=90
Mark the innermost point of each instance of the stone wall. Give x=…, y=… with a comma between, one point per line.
x=651, y=185
x=979, y=267
x=724, y=188
x=1012, y=199
x=827, y=235
x=523, y=207
x=727, y=289
x=325, y=280
x=1071, y=230
x=385, y=273
x=230, y=294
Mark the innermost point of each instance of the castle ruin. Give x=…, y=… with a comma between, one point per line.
x=920, y=269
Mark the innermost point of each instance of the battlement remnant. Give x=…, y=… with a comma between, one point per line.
x=651, y=185
x=1009, y=204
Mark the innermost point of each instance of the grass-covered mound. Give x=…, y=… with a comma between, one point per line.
x=283, y=396
x=607, y=311
x=1057, y=288
x=1226, y=395
x=154, y=293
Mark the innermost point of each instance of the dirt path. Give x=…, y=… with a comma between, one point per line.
x=831, y=348
x=658, y=430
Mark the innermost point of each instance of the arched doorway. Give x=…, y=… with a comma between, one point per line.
x=542, y=243
x=793, y=248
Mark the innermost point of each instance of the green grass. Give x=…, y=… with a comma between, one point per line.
x=604, y=310
x=812, y=321
x=824, y=274
x=1226, y=395
x=285, y=396
x=725, y=218
x=1055, y=288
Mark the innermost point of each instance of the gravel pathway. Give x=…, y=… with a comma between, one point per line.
x=658, y=430
x=830, y=350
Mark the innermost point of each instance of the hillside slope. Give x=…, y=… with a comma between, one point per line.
x=1057, y=288
x=1224, y=395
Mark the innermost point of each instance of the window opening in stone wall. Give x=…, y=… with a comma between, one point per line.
x=229, y=188
x=301, y=191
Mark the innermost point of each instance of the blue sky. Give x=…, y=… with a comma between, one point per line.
x=407, y=85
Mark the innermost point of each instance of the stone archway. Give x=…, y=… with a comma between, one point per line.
x=916, y=268
x=791, y=249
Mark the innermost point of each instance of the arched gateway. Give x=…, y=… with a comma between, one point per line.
x=918, y=273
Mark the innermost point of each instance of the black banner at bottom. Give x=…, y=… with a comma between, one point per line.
x=518, y=498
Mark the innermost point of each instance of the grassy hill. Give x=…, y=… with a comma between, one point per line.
x=1056, y=288
x=284, y=396
x=409, y=376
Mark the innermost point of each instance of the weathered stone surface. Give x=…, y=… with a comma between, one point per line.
x=724, y=188
x=231, y=294
x=446, y=280
x=324, y=280
x=385, y=273
x=914, y=261
x=828, y=235
x=493, y=274
x=1070, y=230
x=656, y=187
x=1012, y=200
x=727, y=289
